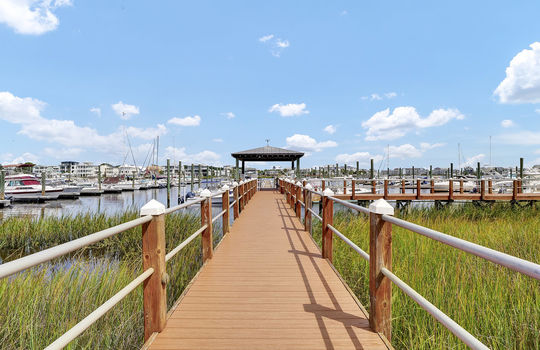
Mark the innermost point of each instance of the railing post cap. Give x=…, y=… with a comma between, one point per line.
x=225, y=188
x=380, y=206
x=299, y=184
x=235, y=184
x=206, y=193
x=153, y=208
x=328, y=192
x=309, y=187
x=241, y=182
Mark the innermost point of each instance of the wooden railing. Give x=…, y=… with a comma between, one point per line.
x=424, y=189
x=154, y=277
x=381, y=220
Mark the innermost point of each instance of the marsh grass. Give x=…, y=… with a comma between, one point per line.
x=495, y=304
x=40, y=304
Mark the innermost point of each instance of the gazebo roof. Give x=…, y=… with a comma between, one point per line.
x=267, y=153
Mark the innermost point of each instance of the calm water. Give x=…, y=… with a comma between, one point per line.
x=106, y=203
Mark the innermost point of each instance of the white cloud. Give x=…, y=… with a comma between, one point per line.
x=8, y=158
x=204, y=157
x=282, y=43
x=186, y=121
x=125, y=111
x=96, y=111
x=33, y=17
x=384, y=125
x=147, y=133
x=424, y=146
x=307, y=143
x=19, y=110
x=63, y=153
x=507, y=123
x=265, y=38
x=522, y=81
x=289, y=110
x=361, y=157
x=331, y=129
x=379, y=97
x=404, y=151
x=229, y=115
x=217, y=140
x=276, y=45
x=343, y=13
x=472, y=161
x=26, y=112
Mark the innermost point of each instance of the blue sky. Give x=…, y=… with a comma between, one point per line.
x=342, y=81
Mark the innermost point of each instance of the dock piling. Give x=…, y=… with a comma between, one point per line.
x=42, y=183
x=2, y=185
x=168, y=183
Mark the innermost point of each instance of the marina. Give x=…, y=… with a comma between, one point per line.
x=292, y=175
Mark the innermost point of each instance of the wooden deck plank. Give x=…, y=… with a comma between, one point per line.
x=267, y=287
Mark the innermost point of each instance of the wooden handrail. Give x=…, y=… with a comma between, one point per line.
x=380, y=257
x=154, y=277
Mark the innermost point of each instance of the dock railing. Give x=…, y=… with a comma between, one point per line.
x=381, y=219
x=430, y=189
x=154, y=257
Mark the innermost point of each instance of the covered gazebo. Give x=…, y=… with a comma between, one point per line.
x=267, y=154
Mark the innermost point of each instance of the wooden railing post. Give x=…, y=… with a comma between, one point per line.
x=402, y=186
x=155, y=287
x=432, y=186
x=490, y=187
x=327, y=219
x=373, y=187
x=461, y=186
x=380, y=255
x=385, y=189
x=514, y=190
x=2, y=185
x=309, y=204
x=225, y=206
x=241, y=195
x=482, y=189
x=236, y=210
x=206, y=219
x=450, y=189
x=353, y=189
x=298, y=197
x=418, y=189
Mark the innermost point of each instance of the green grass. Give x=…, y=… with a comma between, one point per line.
x=41, y=303
x=498, y=306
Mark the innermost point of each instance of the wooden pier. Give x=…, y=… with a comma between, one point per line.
x=268, y=287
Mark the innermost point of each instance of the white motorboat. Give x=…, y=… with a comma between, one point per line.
x=25, y=185
x=444, y=186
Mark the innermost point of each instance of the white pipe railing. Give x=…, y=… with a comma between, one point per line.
x=184, y=243
x=526, y=267
x=359, y=250
x=523, y=266
x=440, y=316
x=80, y=327
x=23, y=263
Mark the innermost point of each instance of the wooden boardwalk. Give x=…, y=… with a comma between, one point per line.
x=267, y=287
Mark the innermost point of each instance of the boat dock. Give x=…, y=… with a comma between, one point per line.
x=267, y=285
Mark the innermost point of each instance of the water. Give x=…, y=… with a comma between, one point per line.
x=106, y=203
